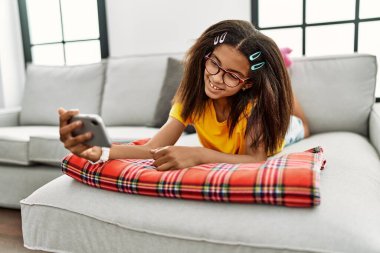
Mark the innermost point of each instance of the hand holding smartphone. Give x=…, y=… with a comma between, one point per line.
x=92, y=123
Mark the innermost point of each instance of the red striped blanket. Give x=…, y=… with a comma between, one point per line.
x=290, y=180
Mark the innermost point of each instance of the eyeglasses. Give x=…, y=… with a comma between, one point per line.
x=229, y=78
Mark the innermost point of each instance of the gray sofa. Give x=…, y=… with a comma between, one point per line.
x=337, y=94
x=118, y=89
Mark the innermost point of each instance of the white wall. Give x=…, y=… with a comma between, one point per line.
x=134, y=27
x=165, y=26
x=11, y=53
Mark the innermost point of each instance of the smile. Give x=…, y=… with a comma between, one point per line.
x=214, y=87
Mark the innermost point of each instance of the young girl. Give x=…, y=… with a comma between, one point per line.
x=235, y=91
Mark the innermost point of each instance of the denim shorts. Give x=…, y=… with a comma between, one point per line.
x=296, y=131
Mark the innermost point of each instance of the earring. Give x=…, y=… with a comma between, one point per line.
x=243, y=88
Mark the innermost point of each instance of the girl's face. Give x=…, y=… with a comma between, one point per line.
x=233, y=61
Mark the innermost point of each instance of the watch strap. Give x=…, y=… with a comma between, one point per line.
x=104, y=157
x=105, y=154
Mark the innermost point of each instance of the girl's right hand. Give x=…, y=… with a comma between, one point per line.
x=76, y=144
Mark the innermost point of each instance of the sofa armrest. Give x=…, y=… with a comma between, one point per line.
x=9, y=117
x=374, y=127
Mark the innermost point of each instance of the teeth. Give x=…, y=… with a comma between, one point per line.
x=214, y=87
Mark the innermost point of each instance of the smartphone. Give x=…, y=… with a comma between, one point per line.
x=92, y=123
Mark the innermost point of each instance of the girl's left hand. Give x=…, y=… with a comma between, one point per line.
x=175, y=157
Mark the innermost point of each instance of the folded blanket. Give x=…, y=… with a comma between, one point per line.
x=290, y=180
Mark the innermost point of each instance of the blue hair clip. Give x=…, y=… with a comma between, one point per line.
x=257, y=65
x=253, y=57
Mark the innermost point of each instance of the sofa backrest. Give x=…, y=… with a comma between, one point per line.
x=336, y=92
x=49, y=87
x=132, y=89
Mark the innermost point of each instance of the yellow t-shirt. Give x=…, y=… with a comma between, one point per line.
x=213, y=134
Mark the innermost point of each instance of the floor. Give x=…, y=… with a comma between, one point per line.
x=10, y=232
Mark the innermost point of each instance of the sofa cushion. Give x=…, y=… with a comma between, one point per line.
x=173, y=77
x=336, y=93
x=190, y=140
x=130, y=133
x=346, y=221
x=47, y=149
x=14, y=149
x=290, y=180
x=9, y=116
x=45, y=146
x=174, y=72
x=73, y=87
x=17, y=182
x=132, y=89
x=14, y=142
x=374, y=127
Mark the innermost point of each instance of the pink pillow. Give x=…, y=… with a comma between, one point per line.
x=285, y=55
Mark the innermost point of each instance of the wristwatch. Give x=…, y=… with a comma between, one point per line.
x=103, y=157
x=105, y=154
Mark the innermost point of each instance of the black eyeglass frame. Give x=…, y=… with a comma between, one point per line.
x=208, y=57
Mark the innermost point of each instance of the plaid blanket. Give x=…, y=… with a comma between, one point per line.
x=290, y=180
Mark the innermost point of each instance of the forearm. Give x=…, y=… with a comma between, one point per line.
x=130, y=152
x=211, y=156
x=167, y=136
